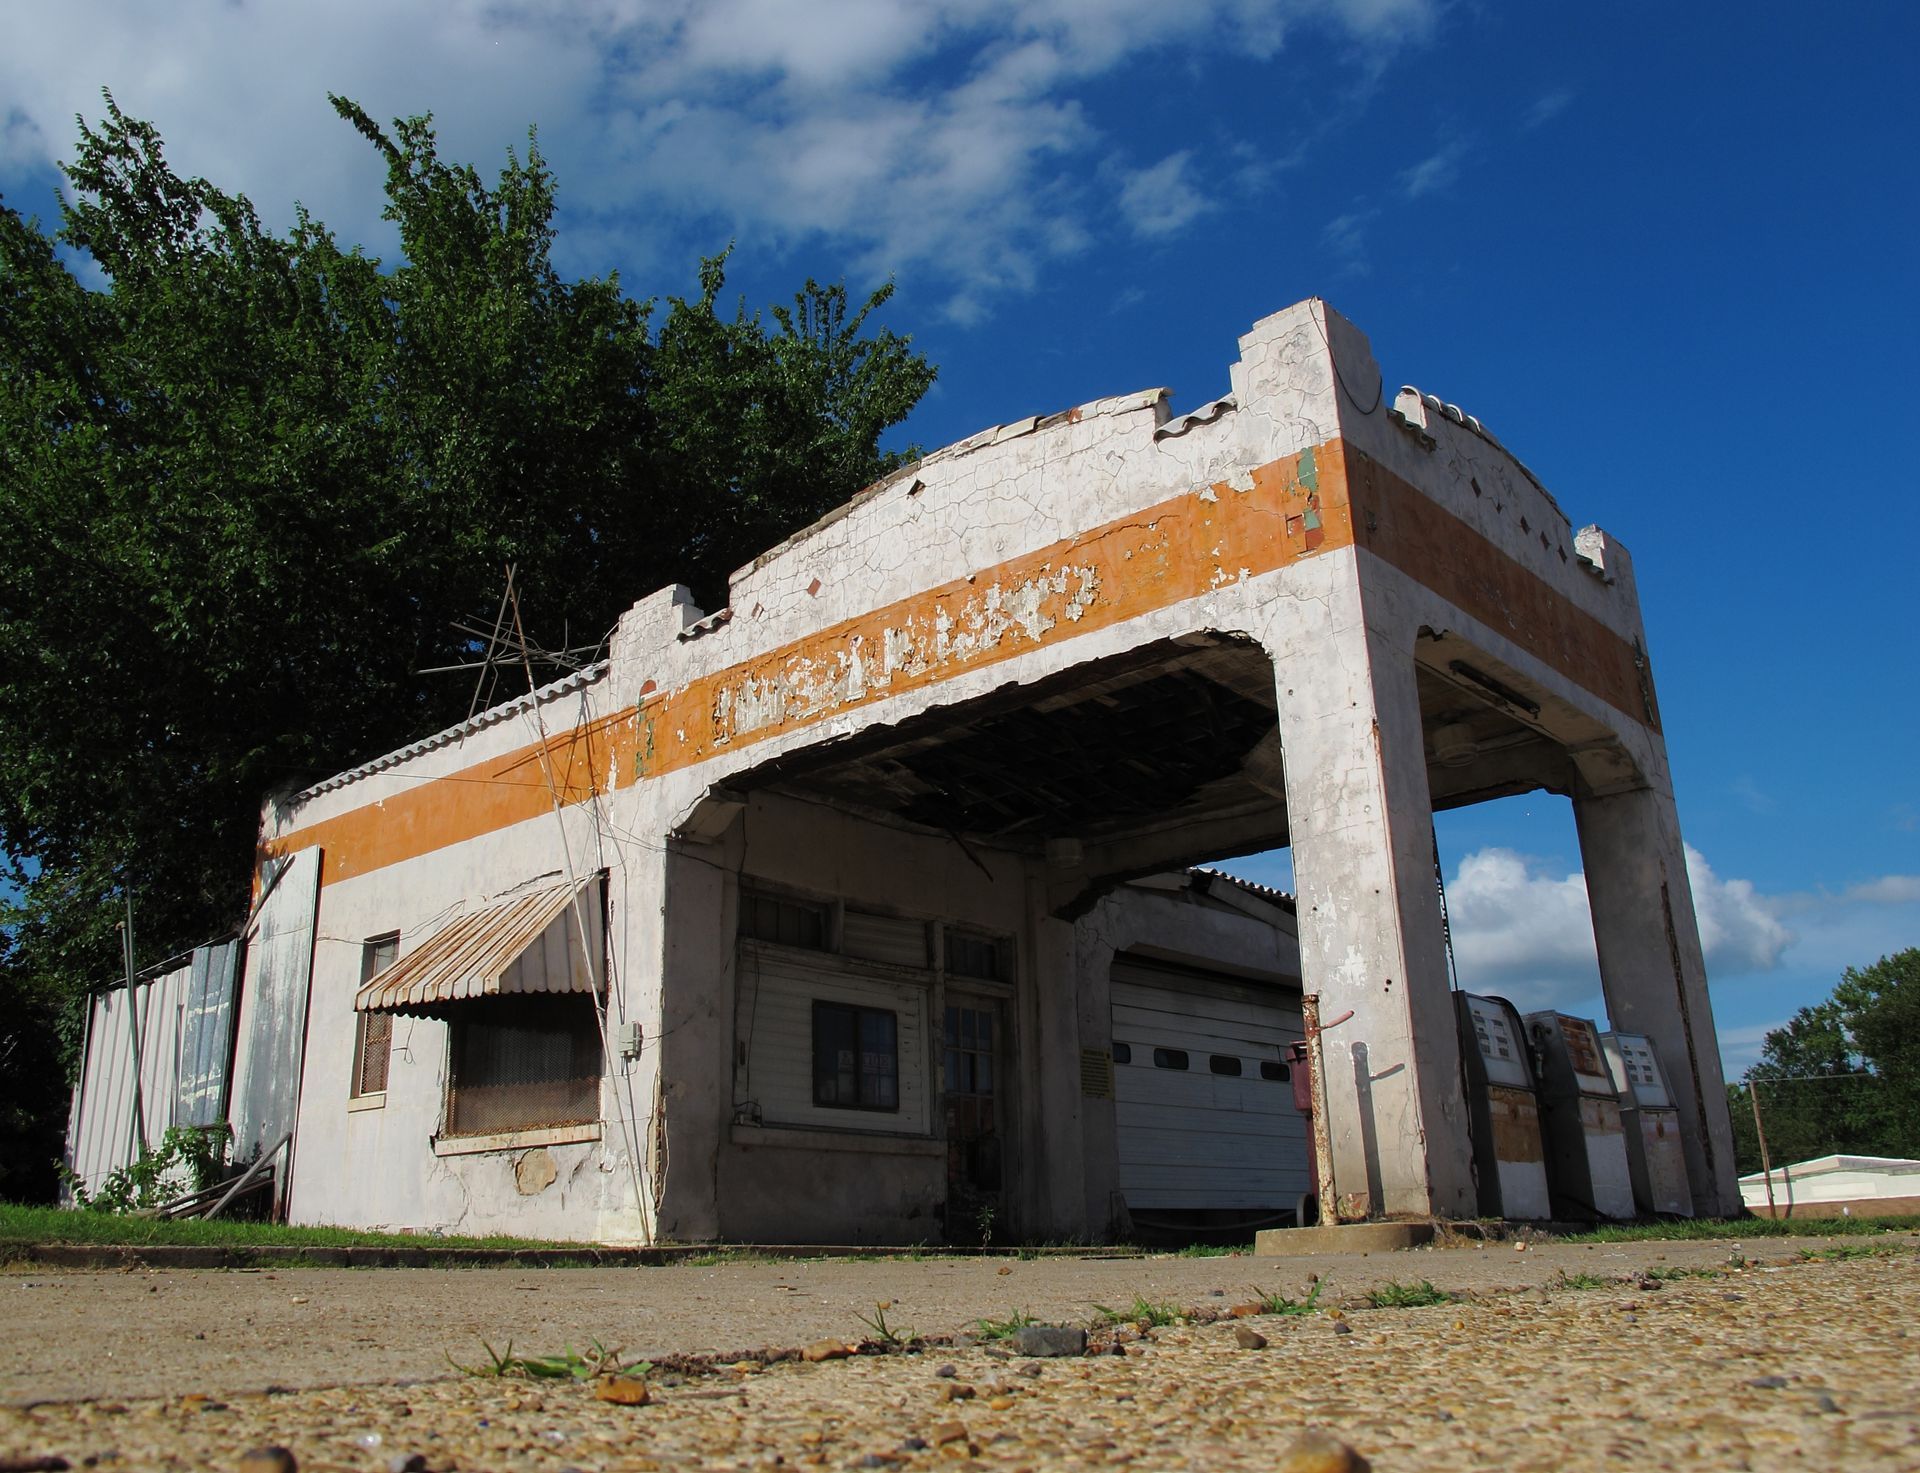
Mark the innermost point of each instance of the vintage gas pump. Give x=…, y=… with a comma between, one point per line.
x=1655, y=1156
x=1586, y=1142
x=1508, y=1153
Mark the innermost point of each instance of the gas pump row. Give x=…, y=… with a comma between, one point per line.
x=1568, y=1122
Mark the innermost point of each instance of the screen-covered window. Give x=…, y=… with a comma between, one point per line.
x=373, y=1032
x=856, y=1057
x=524, y=1062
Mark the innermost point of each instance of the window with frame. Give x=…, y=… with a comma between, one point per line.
x=983, y=957
x=784, y=922
x=856, y=1057
x=523, y=1063
x=373, y=1032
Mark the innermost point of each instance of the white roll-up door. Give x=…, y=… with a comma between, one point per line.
x=1192, y=1132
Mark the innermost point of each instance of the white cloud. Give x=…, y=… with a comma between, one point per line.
x=950, y=138
x=1345, y=237
x=1528, y=933
x=1884, y=890
x=1163, y=199
x=1433, y=173
x=1547, y=107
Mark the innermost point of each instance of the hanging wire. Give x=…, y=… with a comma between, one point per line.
x=622, y=1113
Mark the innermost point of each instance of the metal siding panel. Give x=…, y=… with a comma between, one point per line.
x=207, y=1049
x=266, y=1086
x=776, y=1020
x=876, y=938
x=1191, y=1139
x=103, y=1138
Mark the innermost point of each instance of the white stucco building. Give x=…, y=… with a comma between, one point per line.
x=815, y=918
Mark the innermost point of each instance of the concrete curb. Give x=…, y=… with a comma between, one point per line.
x=1351, y=1237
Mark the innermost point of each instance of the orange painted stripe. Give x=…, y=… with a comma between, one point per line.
x=1180, y=548
x=1294, y=508
x=1403, y=526
x=447, y=810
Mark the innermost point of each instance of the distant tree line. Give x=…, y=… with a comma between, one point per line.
x=1841, y=1076
x=247, y=479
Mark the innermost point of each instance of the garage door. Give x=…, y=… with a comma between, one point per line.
x=1203, y=1107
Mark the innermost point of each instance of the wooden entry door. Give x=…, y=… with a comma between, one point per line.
x=975, y=1106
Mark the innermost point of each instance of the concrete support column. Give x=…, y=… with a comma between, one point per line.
x=693, y=1108
x=1053, y=1173
x=1654, y=973
x=1104, y=1217
x=1361, y=822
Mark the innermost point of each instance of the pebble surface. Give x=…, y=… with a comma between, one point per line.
x=1815, y=1363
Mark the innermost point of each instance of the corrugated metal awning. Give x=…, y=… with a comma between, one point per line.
x=530, y=943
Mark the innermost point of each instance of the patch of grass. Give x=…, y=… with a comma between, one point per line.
x=1280, y=1304
x=1840, y=1252
x=1143, y=1311
x=1673, y=1275
x=22, y=1224
x=883, y=1332
x=569, y=1365
x=729, y=1255
x=1565, y=1280
x=1746, y=1227
x=1004, y=1329
x=1215, y=1250
x=1407, y=1296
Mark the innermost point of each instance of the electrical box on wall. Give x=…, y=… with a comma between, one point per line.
x=631, y=1038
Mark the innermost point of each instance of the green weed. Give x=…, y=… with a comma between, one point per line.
x=1745, y=1227
x=1280, y=1304
x=1840, y=1252
x=1673, y=1275
x=569, y=1365
x=1215, y=1250
x=1565, y=1280
x=1004, y=1329
x=883, y=1332
x=1407, y=1296
x=1142, y=1311
x=23, y=1224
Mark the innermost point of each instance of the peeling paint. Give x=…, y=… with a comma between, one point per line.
x=807, y=686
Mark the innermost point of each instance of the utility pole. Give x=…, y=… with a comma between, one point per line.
x=133, y=1029
x=1766, y=1165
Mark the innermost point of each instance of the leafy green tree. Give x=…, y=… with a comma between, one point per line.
x=247, y=479
x=1841, y=1076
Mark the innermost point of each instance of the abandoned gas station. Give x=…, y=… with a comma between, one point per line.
x=861, y=909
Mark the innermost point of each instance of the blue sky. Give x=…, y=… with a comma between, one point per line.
x=1665, y=252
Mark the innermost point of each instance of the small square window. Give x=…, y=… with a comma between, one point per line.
x=1275, y=1072
x=1123, y=1053
x=373, y=1032
x=1225, y=1064
x=856, y=1057
x=1169, y=1058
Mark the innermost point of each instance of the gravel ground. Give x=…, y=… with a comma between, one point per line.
x=1703, y=1365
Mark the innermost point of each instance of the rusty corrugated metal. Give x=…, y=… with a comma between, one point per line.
x=527, y=944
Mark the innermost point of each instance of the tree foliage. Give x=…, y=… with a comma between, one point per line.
x=248, y=478
x=1841, y=1076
